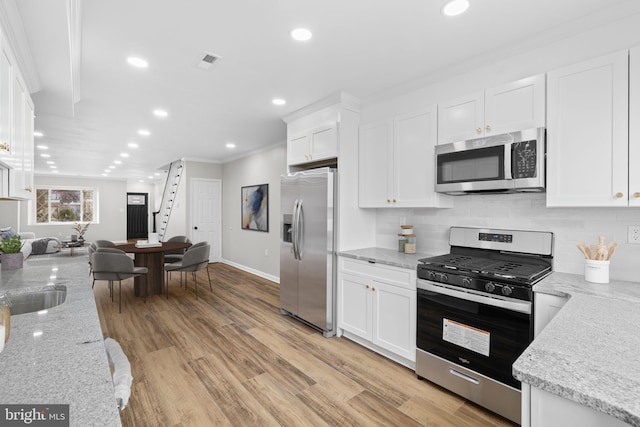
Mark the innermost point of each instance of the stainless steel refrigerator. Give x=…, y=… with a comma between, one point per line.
x=307, y=248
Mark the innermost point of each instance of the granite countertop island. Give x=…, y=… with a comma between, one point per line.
x=589, y=352
x=385, y=256
x=58, y=357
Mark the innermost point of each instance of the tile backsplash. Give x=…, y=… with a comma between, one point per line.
x=521, y=212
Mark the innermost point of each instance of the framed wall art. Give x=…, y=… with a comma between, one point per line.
x=255, y=207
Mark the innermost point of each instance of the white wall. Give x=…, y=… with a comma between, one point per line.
x=246, y=248
x=112, y=209
x=515, y=211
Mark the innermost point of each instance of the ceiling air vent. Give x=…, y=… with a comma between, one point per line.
x=207, y=60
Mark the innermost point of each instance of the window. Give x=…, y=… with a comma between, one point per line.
x=57, y=205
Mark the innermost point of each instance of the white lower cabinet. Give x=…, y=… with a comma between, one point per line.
x=377, y=308
x=550, y=410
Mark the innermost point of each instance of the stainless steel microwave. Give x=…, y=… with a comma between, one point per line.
x=506, y=163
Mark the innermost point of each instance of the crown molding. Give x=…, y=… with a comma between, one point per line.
x=346, y=100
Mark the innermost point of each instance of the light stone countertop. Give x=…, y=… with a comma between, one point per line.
x=65, y=361
x=590, y=351
x=385, y=256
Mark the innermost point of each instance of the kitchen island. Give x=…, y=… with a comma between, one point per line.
x=58, y=357
x=588, y=353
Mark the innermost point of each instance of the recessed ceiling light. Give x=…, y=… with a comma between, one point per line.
x=231, y=145
x=117, y=162
x=45, y=155
x=53, y=166
x=51, y=162
x=455, y=7
x=157, y=174
x=112, y=167
x=137, y=62
x=43, y=147
x=278, y=101
x=105, y=174
x=301, y=34
x=124, y=154
x=160, y=113
x=132, y=145
x=144, y=132
x=38, y=134
x=150, y=177
x=107, y=170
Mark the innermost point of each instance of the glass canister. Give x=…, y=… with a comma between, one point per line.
x=401, y=242
x=410, y=244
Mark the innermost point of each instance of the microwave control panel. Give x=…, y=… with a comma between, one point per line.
x=524, y=159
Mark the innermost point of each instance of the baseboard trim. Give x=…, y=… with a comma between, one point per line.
x=251, y=270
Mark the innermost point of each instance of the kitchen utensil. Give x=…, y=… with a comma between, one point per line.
x=602, y=251
x=583, y=248
x=612, y=249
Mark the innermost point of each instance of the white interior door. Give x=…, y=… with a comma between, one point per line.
x=205, y=195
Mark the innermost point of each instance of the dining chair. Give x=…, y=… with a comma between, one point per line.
x=105, y=244
x=113, y=266
x=90, y=250
x=103, y=250
x=195, y=258
x=176, y=254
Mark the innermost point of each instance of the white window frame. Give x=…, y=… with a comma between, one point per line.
x=34, y=208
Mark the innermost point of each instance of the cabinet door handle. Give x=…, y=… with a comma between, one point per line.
x=478, y=130
x=388, y=200
x=28, y=189
x=4, y=146
x=636, y=194
x=373, y=289
x=394, y=200
x=619, y=195
x=488, y=128
x=367, y=286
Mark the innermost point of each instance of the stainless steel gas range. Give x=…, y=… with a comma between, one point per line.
x=475, y=312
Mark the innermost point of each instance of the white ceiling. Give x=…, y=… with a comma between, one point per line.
x=361, y=47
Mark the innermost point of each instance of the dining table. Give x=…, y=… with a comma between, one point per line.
x=151, y=257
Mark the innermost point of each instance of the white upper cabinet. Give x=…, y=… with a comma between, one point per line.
x=6, y=86
x=313, y=145
x=587, y=134
x=634, y=127
x=507, y=108
x=396, y=162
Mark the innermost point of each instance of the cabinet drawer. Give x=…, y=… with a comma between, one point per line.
x=403, y=277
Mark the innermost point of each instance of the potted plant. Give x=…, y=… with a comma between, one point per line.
x=11, y=256
x=81, y=229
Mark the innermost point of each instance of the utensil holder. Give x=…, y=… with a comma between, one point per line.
x=596, y=271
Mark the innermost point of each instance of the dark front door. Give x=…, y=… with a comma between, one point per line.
x=137, y=216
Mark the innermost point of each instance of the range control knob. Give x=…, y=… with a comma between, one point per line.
x=489, y=287
x=506, y=290
x=466, y=282
x=431, y=275
x=444, y=278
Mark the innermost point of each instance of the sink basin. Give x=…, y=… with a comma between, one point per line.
x=39, y=300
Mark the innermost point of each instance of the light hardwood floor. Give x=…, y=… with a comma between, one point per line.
x=231, y=359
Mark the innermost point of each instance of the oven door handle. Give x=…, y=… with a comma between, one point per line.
x=508, y=158
x=519, y=306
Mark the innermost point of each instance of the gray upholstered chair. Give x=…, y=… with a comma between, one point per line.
x=91, y=249
x=111, y=266
x=195, y=258
x=176, y=254
x=103, y=250
x=104, y=244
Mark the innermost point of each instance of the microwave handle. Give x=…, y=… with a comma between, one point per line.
x=508, y=156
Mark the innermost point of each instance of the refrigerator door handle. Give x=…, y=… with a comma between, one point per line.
x=294, y=228
x=300, y=228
